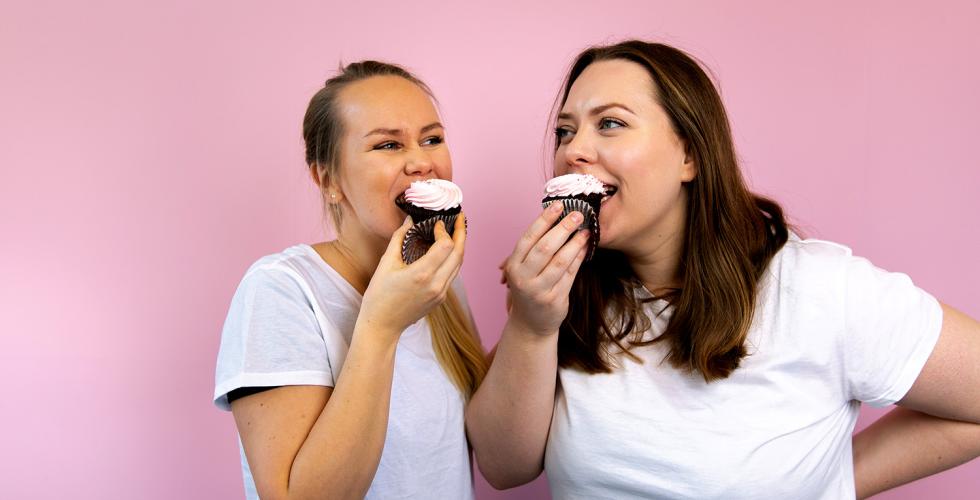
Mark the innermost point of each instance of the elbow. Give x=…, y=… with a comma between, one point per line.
x=503, y=477
x=507, y=481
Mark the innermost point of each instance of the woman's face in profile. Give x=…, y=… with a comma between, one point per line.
x=392, y=137
x=612, y=127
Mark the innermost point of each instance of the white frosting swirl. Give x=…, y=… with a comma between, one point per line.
x=573, y=185
x=434, y=194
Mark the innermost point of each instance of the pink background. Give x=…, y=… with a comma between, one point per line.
x=150, y=153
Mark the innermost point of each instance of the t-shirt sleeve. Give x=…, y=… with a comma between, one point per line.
x=891, y=328
x=271, y=337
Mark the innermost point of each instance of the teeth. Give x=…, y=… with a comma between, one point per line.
x=610, y=191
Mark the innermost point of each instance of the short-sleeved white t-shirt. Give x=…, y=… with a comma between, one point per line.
x=290, y=323
x=830, y=331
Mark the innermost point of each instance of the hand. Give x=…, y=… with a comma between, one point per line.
x=540, y=271
x=400, y=294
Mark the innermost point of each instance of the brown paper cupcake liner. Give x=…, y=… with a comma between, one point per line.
x=421, y=236
x=590, y=221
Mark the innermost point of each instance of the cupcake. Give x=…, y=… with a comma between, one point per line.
x=428, y=202
x=578, y=193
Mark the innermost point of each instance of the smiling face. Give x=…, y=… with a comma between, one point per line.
x=611, y=126
x=392, y=137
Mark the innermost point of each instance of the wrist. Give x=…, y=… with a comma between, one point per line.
x=520, y=328
x=376, y=333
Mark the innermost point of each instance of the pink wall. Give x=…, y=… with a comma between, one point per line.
x=149, y=154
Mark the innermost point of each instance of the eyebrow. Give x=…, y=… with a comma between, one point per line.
x=598, y=110
x=398, y=131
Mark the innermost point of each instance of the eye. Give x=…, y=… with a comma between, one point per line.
x=387, y=145
x=564, y=133
x=433, y=141
x=608, y=123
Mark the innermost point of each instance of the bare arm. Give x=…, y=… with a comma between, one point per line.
x=299, y=446
x=318, y=442
x=906, y=445
x=509, y=416
x=938, y=424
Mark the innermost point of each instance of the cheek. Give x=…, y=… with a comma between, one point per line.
x=443, y=164
x=560, y=167
x=369, y=198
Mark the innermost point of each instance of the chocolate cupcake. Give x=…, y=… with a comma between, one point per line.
x=579, y=193
x=428, y=202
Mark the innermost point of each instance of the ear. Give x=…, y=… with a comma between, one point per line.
x=332, y=193
x=689, y=170
x=315, y=174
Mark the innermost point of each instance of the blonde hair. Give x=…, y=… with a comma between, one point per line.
x=454, y=339
x=457, y=346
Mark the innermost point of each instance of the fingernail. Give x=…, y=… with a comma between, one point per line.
x=576, y=217
x=555, y=207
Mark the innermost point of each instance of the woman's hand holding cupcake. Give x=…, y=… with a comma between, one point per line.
x=540, y=271
x=400, y=294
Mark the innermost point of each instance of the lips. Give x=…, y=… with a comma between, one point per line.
x=610, y=190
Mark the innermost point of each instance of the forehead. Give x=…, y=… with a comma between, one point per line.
x=615, y=80
x=385, y=101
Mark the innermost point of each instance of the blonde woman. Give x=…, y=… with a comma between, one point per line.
x=347, y=370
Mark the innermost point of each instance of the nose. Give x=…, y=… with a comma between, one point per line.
x=418, y=163
x=580, y=151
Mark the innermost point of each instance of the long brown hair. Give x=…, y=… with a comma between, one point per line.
x=731, y=235
x=454, y=337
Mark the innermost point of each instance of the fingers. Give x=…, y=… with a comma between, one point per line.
x=449, y=268
x=567, y=277
x=548, y=245
x=440, y=250
x=459, y=232
x=538, y=228
x=563, y=260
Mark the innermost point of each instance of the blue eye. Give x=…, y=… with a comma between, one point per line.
x=608, y=123
x=562, y=133
x=387, y=145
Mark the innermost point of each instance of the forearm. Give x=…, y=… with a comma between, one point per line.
x=508, y=418
x=340, y=456
x=905, y=445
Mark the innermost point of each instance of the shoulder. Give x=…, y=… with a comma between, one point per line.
x=810, y=260
x=291, y=274
x=294, y=266
x=815, y=251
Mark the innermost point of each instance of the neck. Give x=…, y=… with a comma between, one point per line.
x=360, y=253
x=656, y=259
x=658, y=264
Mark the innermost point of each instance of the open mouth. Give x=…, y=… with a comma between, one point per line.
x=610, y=191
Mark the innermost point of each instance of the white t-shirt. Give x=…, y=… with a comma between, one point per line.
x=830, y=330
x=290, y=323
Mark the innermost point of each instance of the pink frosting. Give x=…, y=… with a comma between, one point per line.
x=434, y=194
x=573, y=185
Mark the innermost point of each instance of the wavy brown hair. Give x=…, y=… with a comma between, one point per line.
x=454, y=337
x=731, y=236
